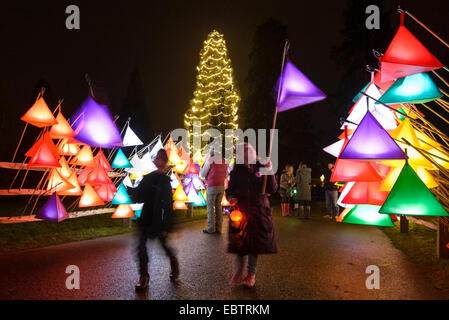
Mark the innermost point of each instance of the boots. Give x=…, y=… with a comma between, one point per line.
x=307, y=215
x=174, y=268
x=287, y=210
x=301, y=212
x=142, y=284
x=284, y=209
x=249, y=281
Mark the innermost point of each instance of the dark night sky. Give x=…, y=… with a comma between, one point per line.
x=163, y=39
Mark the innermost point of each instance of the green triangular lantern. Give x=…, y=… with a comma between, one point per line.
x=368, y=215
x=121, y=196
x=121, y=161
x=410, y=196
x=417, y=88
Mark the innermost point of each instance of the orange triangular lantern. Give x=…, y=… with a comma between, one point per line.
x=84, y=157
x=68, y=149
x=123, y=211
x=405, y=56
x=76, y=191
x=179, y=205
x=225, y=202
x=64, y=171
x=57, y=182
x=90, y=198
x=62, y=129
x=39, y=115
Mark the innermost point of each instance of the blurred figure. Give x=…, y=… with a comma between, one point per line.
x=215, y=171
x=156, y=219
x=286, y=182
x=303, y=193
x=330, y=193
x=253, y=234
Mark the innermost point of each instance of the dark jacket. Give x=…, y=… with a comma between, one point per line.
x=303, y=180
x=327, y=184
x=255, y=233
x=155, y=192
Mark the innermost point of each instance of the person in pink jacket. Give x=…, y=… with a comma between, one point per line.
x=215, y=171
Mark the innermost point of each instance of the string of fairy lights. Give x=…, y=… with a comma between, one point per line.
x=216, y=98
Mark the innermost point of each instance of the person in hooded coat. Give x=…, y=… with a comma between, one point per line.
x=303, y=193
x=254, y=233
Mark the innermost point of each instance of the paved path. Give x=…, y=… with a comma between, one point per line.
x=317, y=259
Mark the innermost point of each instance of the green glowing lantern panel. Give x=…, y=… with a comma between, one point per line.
x=410, y=196
x=417, y=88
x=121, y=161
x=368, y=215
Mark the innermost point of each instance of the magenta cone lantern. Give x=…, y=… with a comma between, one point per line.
x=296, y=89
x=53, y=210
x=93, y=124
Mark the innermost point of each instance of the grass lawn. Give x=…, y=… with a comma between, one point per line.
x=21, y=236
x=420, y=246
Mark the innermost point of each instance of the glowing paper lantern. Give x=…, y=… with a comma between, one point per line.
x=64, y=171
x=105, y=192
x=365, y=193
x=90, y=198
x=382, y=85
x=39, y=115
x=57, y=182
x=68, y=149
x=98, y=176
x=44, y=155
x=158, y=146
x=296, y=89
x=121, y=161
x=179, y=205
x=137, y=208
x=366, y=214
x=101, y=160
x=53, y=210
x=236, y=216
x=76, y=190
x=173, y=158
x=174, y=180
x=354, y=170
x=130, y=138
x=145, y=164
x=121, y=196
x=344, y=191
x=94, y=125
x=201, y=202
x=192, y=194
x=84, y=157
x=179, y=194
x=410, y=196
x=225, y=202
x=62, y=129
x=371, y=141
x=183, y=154
x=405, y=56
x=196, y=181
x=335, y=148
x=123, y=211
x=191, y=169
x=417, y=88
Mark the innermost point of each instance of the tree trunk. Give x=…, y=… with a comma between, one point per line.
x=403, y=224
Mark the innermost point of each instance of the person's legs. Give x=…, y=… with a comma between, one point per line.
x=142, y=257
x=218, y=212
x=329, y=207
x=252, y=263
x=336, y=210
x=239, y=262
x=307, y=209
x=170, y=252
x=210, y=211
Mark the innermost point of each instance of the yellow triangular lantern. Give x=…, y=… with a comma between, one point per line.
x=179, y=194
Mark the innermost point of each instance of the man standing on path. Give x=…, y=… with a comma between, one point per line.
x=330, y=193
x=215, y=171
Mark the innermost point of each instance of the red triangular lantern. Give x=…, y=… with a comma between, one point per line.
x=365, y=193
x=405, y=56
x=101, y=160
x=44, y=154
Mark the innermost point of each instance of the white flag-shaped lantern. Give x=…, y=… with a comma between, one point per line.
x=131, y=139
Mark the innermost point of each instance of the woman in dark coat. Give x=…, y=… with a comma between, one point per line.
x=254, y=233
x=156, y=219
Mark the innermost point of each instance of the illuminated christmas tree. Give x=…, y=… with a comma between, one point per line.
x=216, y=98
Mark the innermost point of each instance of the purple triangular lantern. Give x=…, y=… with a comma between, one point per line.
x=296, y=89
x=93, y=124
x=370, y=141
x=53, y=210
